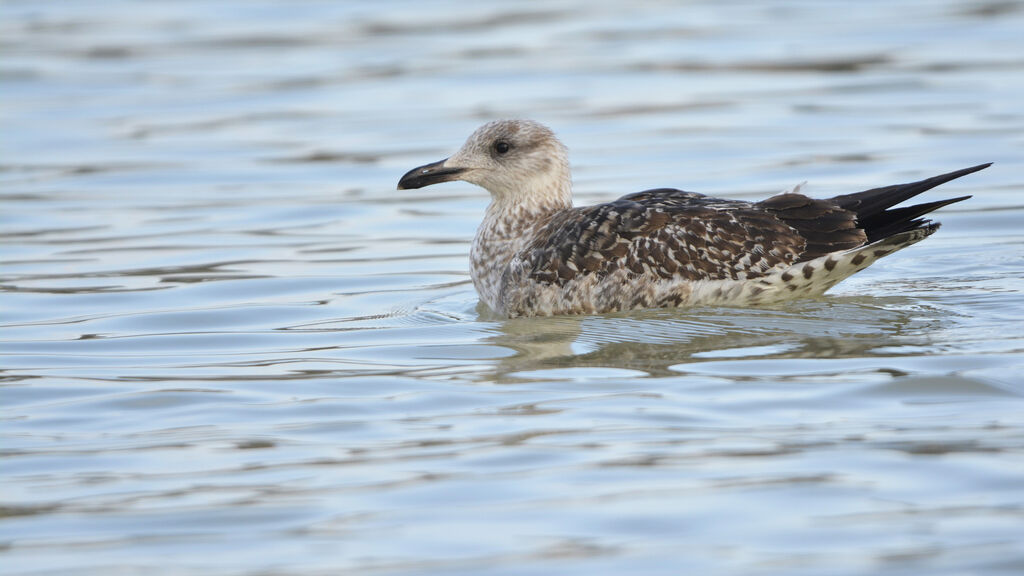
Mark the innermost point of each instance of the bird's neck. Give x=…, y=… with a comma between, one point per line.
x=507, y=228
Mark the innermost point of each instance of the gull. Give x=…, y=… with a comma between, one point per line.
x=535, y=254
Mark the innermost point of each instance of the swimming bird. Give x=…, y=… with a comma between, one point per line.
x=536, y=254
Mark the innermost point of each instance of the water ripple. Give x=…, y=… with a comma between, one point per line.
x=229, y=346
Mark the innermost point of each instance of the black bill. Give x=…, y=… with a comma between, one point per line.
x=429, y=174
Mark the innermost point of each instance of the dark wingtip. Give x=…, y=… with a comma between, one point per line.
x=973, y=169
x=929, y=183
x=876, y=200
x=897, y=220
x=957, y=199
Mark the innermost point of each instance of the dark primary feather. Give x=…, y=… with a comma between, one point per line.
x=872, y=206
x=669, y=233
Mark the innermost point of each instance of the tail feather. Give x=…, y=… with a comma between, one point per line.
x=889, y=222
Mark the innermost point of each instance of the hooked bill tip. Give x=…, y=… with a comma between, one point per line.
x=428, y=174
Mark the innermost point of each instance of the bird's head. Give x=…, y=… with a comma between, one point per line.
x=515, y=160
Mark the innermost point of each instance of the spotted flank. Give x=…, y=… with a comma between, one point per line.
x=807, y=278
x=536, y=254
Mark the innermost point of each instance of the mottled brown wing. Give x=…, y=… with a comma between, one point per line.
x=662, y=233
x=825, y=226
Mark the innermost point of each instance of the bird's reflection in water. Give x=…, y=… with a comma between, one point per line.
x=655, y=341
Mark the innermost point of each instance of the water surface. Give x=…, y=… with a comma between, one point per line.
x=230, y=346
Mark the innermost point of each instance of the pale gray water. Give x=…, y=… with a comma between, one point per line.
x=229, y=346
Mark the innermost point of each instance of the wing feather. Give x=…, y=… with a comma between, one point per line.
x=664, y=234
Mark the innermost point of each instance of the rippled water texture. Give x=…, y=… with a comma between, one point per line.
x=230, y=346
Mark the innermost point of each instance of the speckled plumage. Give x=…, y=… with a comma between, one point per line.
x=535, y=254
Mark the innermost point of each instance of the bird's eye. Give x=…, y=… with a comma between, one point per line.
x=502, y=147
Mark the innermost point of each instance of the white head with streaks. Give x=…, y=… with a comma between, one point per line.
x=517, y=161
